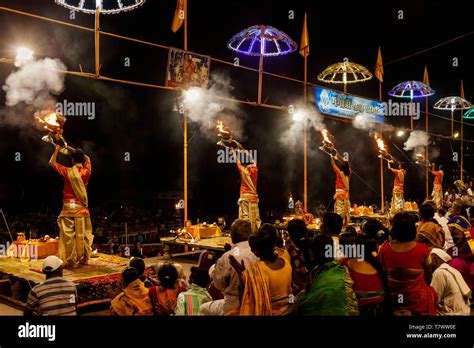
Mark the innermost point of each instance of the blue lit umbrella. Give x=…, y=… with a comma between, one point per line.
x=411, y=90
x=262, y=41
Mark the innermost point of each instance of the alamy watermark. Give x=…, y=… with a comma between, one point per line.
x=350, y=251
x=19, y=250
x=394, y=108
x=81, y=109
x=227, y=155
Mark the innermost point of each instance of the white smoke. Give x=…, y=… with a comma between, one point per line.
x=309, y=116
x=415, y=140
x=35, y=83
x=364, y=121
x=206, y=106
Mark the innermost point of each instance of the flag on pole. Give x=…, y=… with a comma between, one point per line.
x=461, y=94
x=379, y=67
x=304, y=46
x=178, y=18
x=426, y=79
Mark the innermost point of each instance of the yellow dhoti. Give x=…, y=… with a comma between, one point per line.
x=342, y=205
x=75, y=239
x=437, y=195
x=398, y=202
x=248, y=210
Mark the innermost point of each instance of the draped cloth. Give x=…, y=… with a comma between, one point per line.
x=398, y=200
x=264, y=293
x=416, y=295
x=431, y=234
x=437, y=195
x=75, y=236
x=78, y=185
x=342, y=204
x=256, y=299
x=133, y=300
x=163, y=300
x=248, y=201
x=330, y=293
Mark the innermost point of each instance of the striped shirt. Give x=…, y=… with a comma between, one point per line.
x=56, y=296
x=190, y=301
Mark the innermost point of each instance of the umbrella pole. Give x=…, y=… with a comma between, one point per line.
x=382, y=194
x=462, y=141
x=260, y=77
x=411, y=114
x=305, y=160
x=452, y=123
x=345, y=88
x=426, y=150
x=97, y=42
x=185, y=125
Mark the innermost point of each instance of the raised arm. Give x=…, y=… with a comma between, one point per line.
x=333, y=164
x=54, y=157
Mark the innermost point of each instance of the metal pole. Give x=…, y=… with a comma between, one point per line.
x=97, y=41
x=426, y=150
x=462, y=143
x=305, y=153
x=452, y=123
x=382, y=193
x=260, y=78
x=185, y=124
x=126, y=233
x=6, y=224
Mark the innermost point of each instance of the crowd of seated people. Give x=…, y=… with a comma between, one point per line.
x=414, y=267
x=407, y=269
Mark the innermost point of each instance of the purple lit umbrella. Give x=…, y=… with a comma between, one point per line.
x=412, y=90
x=262, y=41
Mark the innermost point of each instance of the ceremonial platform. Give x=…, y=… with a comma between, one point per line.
x=100, y=280
x=97, y=283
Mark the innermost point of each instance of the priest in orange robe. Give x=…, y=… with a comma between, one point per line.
x=75, y=238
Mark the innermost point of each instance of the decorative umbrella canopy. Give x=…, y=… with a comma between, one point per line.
x=262, y=40
x=345, y=72
x=452, y=103
x=106, y=6
x=469, y=114
x=411, y=89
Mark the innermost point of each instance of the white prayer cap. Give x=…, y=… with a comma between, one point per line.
x=443, y=255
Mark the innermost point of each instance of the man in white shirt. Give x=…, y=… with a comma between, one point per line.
x=440, y=217
x=223, y=274
x=453, y=293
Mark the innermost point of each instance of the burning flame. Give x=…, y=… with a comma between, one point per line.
x=50, y=120
x=94, y=252
x=221, y=128
x=325, y=135
x=380, y=144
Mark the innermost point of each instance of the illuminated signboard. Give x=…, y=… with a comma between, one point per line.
x=345, y=105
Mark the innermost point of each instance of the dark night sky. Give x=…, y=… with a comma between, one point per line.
x=141, y=121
